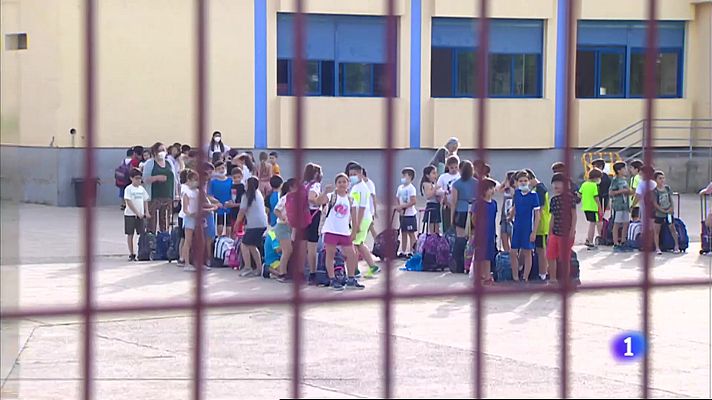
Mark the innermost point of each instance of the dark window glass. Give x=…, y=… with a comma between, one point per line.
x=379, y=77
x=283, y=88
x=356, y=79
x=327, y=78
x=526, y=75
x=585, y=73
x=441, y=72
x=465, y=64
x=612, y=70
x=500, y=75
x=312, y=85
x=667, y=74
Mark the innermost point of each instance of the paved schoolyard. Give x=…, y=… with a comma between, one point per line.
x=149, y=355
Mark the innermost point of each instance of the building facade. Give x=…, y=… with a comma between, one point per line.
x=145, y=72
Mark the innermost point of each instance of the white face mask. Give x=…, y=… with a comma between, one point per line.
x=162, y=154
x=217, y=139
x=524, y=188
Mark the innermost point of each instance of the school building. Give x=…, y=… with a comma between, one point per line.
x=146, y=85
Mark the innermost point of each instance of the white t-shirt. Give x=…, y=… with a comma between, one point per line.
x=246, y=174
x=281, y=207
x=339, y=219
x=316, y=188
x=137, y=195
x=362, y=198
x=648, y=185
x=183, y=189
x=404, y=193
x=445, y=182
x=372, y=189
x=192, y=195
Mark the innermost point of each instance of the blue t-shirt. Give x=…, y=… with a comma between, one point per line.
x=271, y=247
x=488, y=223
x=273, y=199
x=524, y=206
x=466, y=191
x=221, y=190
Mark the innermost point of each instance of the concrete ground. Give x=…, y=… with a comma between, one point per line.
x=148, y=356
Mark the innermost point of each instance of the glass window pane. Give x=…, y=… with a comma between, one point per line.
x=379, y=77
x=312, y=84
x=585, y=73
x=282, y=77
x=327, y=78
x=667, y=74
x=526, y=75
x=500, y=75
x=611, y=70
x=355, y=79
x=465, y=73
x=441, y=72
x=637, y=71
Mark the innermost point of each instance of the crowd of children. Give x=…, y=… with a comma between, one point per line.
x=251, y=200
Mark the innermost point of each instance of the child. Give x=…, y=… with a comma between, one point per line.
x=340, y=217
x=526, y=209
x=275, y=183
x=445, y=182
x=562, y=227
x=484, y=217
x=429, y=190
x=372, y=189
x=282, y=230
x=635, y=178
x=409, y=214
x=646, y=186
x=604, y=186
x=273, y=156
x=664, y=211
x=363, y=218
x=189, y=201
x=145, y=157
x=237, y=190
x=505, y=226
x=136, y=199
x=559, y=168
x=252, y=208
x=220, y=187
x=265, y=174
x=591, y=205
x=273, y=255
x=541, y=234
x=620, y=205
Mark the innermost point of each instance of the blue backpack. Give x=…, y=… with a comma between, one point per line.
x=503, y=267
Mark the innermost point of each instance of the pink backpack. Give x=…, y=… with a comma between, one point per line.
x=299, y=219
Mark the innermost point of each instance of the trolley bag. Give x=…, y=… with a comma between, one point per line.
x=173, y=252
x=606, y=238
x=667, y=242
x=221, y=249
x=502, y=267
x=435, y=251
x=322, y=277
x=146, y=246
x=386, y=240
x=163, y=242
x=705, y=232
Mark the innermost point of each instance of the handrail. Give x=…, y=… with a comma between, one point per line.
x=613, y=136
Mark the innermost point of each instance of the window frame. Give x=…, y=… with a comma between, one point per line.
x=456, y=51
x=625, y=70
x=512, y=85
x=342, y=83
x=290, y=80
x=679, y=51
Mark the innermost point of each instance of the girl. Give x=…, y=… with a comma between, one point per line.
x=337, y=232
x=248, y=167
x=429, y=189
x=190, y=216
x=317, y=199
x=220, y=187
x=252, y=208
x=265, y=174
x=505, y=226
x=282, y=228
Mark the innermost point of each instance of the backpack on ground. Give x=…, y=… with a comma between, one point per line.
x=146, y=246
x=221, y=248
x=322, y=277
x=503, y=267
x=635, y=235
x=575, y=270
x=233, y=258
x=121, y=175
x=415, y=263
x=173, y=252
x=386, y=240
x=436, y=253
x=667, y=242
x=163, y=243
x=705, y=232
x=606, y=238
x=299, y=219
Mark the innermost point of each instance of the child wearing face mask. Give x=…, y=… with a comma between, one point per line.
x=220, y=187
x=406, y=207
x=591, y=205
x=526, y=217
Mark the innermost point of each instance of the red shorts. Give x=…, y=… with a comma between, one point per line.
x=554, y=245
x=337, y=240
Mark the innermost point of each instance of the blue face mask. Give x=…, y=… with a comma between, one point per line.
x=354, y=180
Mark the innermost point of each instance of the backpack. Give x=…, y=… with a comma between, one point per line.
x=435, y=253
x=299, y=219
x=121, y=175
x=221, y=248
x=503, y=267
x=635, y=233
x=667, y=242
x=146, y=246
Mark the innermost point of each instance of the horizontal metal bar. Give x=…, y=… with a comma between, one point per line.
x=493, y=291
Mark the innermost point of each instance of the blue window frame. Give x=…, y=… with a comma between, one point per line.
x=514, y=60
x=610, y=59
x=346, y=55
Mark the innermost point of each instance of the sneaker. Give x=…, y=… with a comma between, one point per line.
x=180, y=263
x=336, y=285
x=659, y=252
x=589, y=244
x=311, y=281
x=284, y=279
x=352, y=283
x=402, y=256
x=189, y=268
x=246, y=272
x=206, y=267
x=357, y=275
x=676, y=251
x=375, y=269
x=132, y=257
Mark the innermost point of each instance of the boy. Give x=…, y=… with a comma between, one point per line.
x=558, y=168
x=273, y=254
x=372, y=188
x=526, y=209
x=275, y=182
x=236, y=192
x=362, y=210
x=273, y=156
x=664, y=211
x=635, y=178
x=591, y=205
x=562, y=227
x=620, y=205
x=645, y=184
x=484, y=217
x=220, y=187
x=406, y=207
x=445, y=182
x=604, y=186
x=136, y=198
x=541, y=234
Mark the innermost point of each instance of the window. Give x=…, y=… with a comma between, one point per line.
x=16, y=41
x=514, y=61
x=345, y=56
x=600, y=72
x=610, y=61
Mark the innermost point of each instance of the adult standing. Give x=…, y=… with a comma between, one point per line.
x=216, y=145
x=161, y=182
x=442, y=154
x=464, y=192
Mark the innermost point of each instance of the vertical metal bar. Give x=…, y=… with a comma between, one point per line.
x=89, y=195
x=480, y=80
x=200, y=256
x=567, y=199
x=390, y=91
x=300, y=247
x=649, y=84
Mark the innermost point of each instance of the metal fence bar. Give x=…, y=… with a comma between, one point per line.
x=89, y=196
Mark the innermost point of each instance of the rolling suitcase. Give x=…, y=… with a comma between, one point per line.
x=386, y=241
x=705, y=232
x=163, y=243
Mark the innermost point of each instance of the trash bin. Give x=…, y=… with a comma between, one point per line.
x=79, y=197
